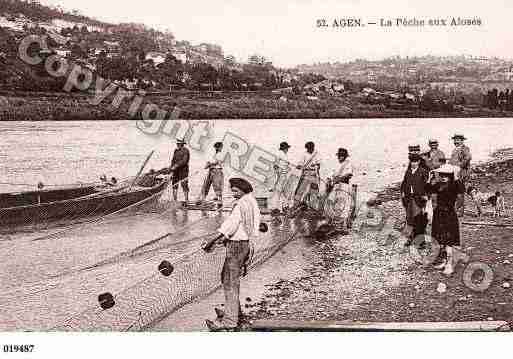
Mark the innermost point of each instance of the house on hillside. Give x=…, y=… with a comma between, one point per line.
x=180, y=55
x=156, y=57
x=112, y=48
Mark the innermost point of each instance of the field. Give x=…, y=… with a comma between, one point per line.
x=16, y=106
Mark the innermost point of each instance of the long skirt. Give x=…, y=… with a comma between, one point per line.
x=416, y=217
x=446, y=228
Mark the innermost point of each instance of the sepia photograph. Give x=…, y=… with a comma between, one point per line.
x=254, y=167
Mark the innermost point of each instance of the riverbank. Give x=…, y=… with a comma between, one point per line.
x=370, y=277
x=22, y=106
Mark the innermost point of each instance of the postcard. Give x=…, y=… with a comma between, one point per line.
x=293, y=166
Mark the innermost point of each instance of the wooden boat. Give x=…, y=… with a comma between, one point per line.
x=43, y=206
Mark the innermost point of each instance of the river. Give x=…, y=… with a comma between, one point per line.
x=42, y=281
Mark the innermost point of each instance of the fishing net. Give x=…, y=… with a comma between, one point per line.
x=138, y=294
x=195, y=274
x=89, y=204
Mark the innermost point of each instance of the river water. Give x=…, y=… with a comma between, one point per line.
x=42, y=281
x=70, y=152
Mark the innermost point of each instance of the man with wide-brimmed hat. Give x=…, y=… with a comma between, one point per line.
x=281, y=169
x=339, y=201
x=414, y=197
x=461, y=158
x=180, y=169
x=434, y=158
x=237, y=232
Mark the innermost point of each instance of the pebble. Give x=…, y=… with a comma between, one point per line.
x=506, y=285
x=489, y=318
x=442, y=288
x=498, y=252
x=469, y=296
x=417, y=287
x=507, y=262
x=412, y=305
x=510, y=256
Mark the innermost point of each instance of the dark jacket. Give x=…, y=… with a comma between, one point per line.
x=414, y=184
x=181, y=161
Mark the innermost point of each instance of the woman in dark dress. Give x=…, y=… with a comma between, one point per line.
x=445, y=228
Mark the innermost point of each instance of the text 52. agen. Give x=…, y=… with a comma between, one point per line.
x=340, y=22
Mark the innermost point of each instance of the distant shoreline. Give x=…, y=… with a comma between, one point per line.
x=47, y=106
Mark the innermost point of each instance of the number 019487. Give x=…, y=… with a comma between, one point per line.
x=14, y=348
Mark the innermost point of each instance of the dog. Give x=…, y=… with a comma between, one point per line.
x=483, y=198
x=499, y=204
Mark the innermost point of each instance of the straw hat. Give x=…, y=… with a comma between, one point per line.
x=459, y=136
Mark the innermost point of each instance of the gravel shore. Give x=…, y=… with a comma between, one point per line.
x=370, y=276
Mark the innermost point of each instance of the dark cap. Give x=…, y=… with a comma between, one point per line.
x=284, y=145
x=309, y=144
x=413, y=148
x=241, y=184
x=342, y=152
x=218, y=144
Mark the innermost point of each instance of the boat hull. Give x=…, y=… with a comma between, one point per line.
x=87, y=203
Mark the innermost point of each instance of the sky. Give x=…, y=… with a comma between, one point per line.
x=285, y=31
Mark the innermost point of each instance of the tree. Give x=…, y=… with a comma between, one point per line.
x=171, y=70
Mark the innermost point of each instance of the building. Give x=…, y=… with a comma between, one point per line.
x=156, y=57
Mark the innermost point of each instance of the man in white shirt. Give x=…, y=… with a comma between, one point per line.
x=237, y=232
x=282, y=169
x=215, y=176
x=339, y=202
x=307, y=191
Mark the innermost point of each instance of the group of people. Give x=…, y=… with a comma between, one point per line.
x=433, y=181
x=179, y=171
x=334, y=202
x=241, y=226
x=429, y=178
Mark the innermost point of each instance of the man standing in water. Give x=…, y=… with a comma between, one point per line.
x=339, y=201
x=461, y=158
x=281, y=169
x=215, y=176
x=237, y=232
x=307, y=190
x=180, y=169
